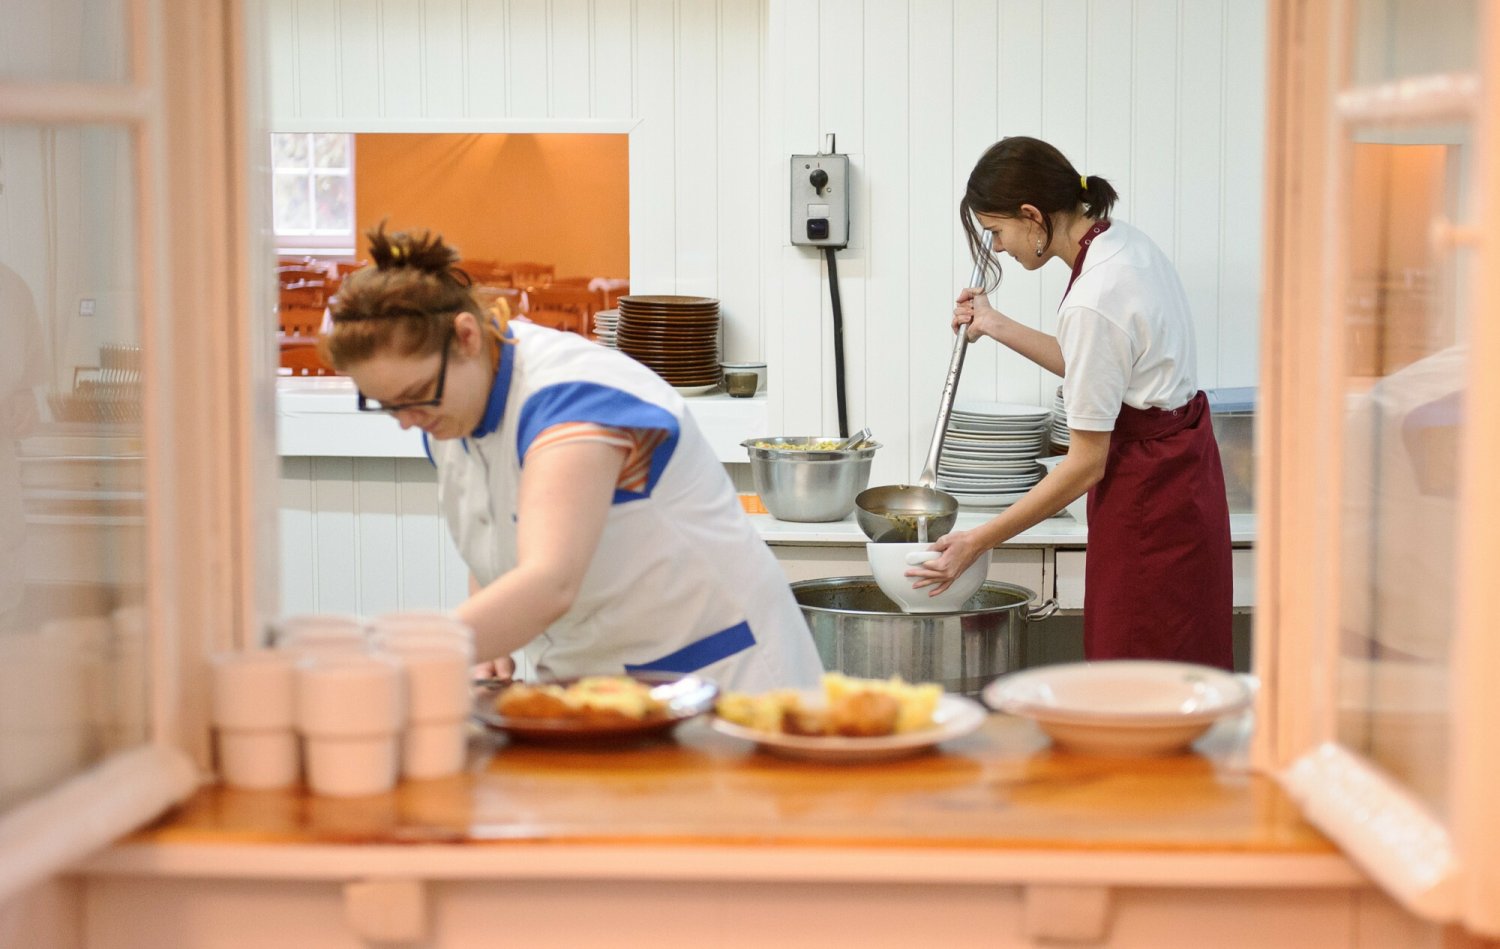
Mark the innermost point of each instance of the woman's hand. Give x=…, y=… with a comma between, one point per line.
x=503, y=669
x=959, y=550
x=975, y=313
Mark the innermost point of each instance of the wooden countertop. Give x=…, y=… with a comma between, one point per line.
x=1003, y=788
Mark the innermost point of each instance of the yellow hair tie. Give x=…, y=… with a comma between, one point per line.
x=1083, y=181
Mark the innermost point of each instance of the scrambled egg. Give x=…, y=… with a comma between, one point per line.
x=771, y=711
x=612, y=693
x=917, y=701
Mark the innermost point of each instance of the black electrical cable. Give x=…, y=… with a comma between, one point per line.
x=838, y=340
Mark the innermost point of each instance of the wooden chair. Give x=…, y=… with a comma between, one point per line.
x=528, y=274
x=575, y=282
x=505, y=302
x=613, y=293
x=566, y=320
x=289, y=276
x=486, y=273
x=304, y=321
x=575, y=307
x=305, y=293
x=302, y=358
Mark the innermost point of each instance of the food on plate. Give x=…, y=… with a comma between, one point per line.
x=590, y=699
x=851, y=708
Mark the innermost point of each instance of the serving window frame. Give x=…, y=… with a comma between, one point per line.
x=1453, y=875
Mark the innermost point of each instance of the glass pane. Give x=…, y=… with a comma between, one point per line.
x=332, y=150
x=72, y=488
x=1398, y=38
x=290, y=203
x=289, y=150
x=64, y=41
x=1405, y=336
x=335, y=203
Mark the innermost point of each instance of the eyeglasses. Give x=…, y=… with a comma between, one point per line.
x=367, y=404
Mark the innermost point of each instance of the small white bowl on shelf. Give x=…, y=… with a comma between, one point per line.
x=1121, y=706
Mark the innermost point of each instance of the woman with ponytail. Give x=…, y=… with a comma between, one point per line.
x=601, y=533
x=1157, y=582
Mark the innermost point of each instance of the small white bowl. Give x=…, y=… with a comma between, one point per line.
x=889, y=563
x=1122, y=706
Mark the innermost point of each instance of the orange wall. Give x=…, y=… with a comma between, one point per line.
x=553, y=198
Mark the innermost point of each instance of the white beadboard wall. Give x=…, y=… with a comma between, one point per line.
x=365, y=536
x=1163, y=97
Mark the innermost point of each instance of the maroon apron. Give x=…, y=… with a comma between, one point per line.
x=1158, y=580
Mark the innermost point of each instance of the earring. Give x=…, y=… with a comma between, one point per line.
x=1039, y=247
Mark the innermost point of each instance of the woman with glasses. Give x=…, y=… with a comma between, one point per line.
x=601, y=533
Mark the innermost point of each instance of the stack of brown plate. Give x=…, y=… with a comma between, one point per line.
x=676, y=336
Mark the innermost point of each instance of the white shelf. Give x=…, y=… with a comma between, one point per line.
x=316, y=416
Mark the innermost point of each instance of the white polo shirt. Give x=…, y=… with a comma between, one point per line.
x=1125, y=331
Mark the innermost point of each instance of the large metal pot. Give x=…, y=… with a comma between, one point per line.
x=860, y=632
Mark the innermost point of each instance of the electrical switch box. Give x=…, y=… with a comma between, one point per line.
x=820, y=200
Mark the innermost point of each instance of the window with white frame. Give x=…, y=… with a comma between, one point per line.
x=313, y=191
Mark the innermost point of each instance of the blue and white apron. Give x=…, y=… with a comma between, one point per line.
x=680, y=581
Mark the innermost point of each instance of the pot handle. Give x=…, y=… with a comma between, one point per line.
x=1044, y=610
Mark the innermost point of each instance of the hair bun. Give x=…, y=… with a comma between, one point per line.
x=424, y=251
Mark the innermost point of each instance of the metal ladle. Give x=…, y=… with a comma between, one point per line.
x=855, y=440
x=920, y=513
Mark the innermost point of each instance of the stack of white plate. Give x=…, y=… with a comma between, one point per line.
x=990, y=451
x=1059, y=421
x=606, y=323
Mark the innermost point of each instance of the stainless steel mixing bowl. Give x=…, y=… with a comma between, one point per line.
x=807, y=484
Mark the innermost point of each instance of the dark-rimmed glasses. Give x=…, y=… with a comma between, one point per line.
x=367, y=404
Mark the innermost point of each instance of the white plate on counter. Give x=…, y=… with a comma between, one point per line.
x=954, y=716
x=1122, y=706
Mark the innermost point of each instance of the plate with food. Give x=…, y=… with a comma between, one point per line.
x=849, y=719
x=600, y=709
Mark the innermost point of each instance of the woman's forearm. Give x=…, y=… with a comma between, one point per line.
x=564, y=499
x=1035, y=345
x=1079, y=471
x=515, y=609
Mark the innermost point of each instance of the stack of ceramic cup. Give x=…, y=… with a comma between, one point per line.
x=351, y=711
x=436, y=652
x=370, y=703
x=253, y=711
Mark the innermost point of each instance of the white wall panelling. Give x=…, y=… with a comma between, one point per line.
x=364, y=535
x=1164, y=97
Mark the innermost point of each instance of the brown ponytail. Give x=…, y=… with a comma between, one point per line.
x=1021, y=170
x=405, y=300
